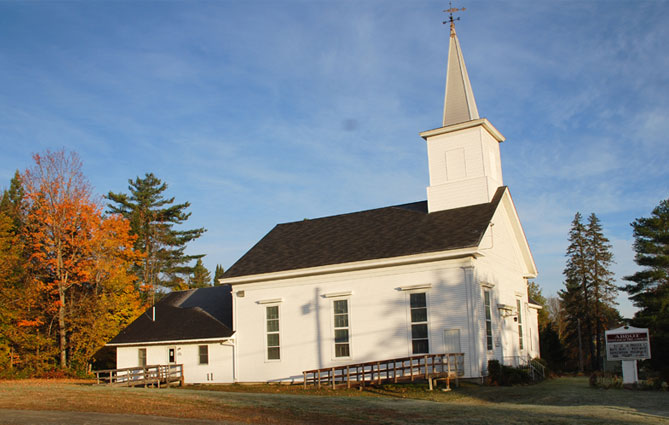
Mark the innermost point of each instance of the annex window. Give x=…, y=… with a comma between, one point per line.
x=419, y=334
x=141, y=354
x=204, y=354
x=341, y=329
x=520, y=324
x=273, y=343
x=488, y=320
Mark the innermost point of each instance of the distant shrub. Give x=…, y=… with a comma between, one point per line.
x=605, y=380
x=494, y=372
x=499, y=374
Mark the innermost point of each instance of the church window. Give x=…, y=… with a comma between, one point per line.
x=341, y=329
x=419, y=333
x=273, y=346
x=141, y=354
x=204, y=354
x=488, y=320
x=520, y=324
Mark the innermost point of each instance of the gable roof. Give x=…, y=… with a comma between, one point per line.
x=195, y=314
x=366, y=235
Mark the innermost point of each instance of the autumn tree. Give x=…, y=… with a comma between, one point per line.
x=649, y=287
x=59, y=223
x=10, y=294
x=108, y=301
x=79, y=260
x=23, y=342
x=153, y=218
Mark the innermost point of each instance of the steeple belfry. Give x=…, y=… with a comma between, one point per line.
x=459, y=103
x=463, y=154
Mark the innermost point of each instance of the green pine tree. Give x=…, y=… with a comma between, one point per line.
x=649, y=288
x=218, y=274
x=11, y=201
x=577, y=295
x=201, y=276
x=604, y=290
x=534, y=294
x=152, y=218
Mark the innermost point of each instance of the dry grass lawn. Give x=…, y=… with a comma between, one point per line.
x=559, y=401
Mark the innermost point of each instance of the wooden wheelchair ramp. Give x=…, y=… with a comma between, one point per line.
x=143, y=376
x=430, y=367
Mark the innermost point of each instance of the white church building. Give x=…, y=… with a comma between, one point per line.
x=448, y=274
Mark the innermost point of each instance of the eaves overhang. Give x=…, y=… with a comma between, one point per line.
x=357, y=265
x=483, y=122
x=172, y=341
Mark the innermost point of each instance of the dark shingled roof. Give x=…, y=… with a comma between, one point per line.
x=185, y=315
x=367, y=235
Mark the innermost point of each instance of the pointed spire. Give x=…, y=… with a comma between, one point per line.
x=459, y=103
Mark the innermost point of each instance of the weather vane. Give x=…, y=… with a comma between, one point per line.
x=451, y=19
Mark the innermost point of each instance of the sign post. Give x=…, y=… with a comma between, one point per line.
x=628, y=345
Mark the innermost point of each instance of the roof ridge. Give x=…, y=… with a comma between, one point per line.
x=399, y=206
x=206, y=313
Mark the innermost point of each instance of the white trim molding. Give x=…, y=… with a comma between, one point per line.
x=413, y=287
x=270, y=301
x=171, y=342
x=338, y=294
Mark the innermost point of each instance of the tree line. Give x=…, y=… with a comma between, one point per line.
x=76, y=268
x=573, y=324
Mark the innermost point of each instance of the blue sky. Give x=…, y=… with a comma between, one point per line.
x=263, y=112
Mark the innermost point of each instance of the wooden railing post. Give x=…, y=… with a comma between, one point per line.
x=426, y=370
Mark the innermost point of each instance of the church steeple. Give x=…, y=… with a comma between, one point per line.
x=463, y=155
x=459, y=103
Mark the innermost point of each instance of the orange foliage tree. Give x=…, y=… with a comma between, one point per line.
x=108, y=302
x=23, y=344
x=78, y=258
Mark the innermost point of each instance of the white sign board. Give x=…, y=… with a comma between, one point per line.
x=627, y=343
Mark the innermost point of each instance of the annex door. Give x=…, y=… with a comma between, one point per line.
x=452, y=345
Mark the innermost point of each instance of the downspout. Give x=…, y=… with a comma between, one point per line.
x=235, y=372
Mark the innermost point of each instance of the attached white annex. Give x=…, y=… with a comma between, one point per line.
x=191, y=328
x=446, y=275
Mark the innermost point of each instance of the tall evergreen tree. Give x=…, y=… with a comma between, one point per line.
x=649, y=288
x=218, y=274
x=152, y=218
x=11, y=201
x=201, y=276
x=534, y=293
x=549, y=340
x=604, y=290
x=588, y=297
x=577, y=296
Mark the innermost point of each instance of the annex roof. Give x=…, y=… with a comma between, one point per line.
x=195, y=314
x=366, y=235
